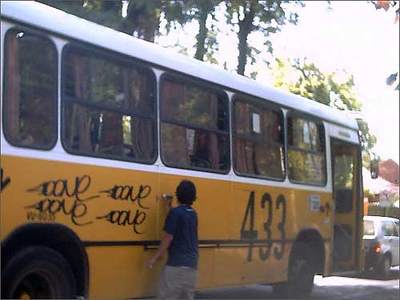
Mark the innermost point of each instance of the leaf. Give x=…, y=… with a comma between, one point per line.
x=391, y=79
x=304, y=78
x=385, y=4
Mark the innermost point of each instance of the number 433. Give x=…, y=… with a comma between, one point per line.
x=247, y=231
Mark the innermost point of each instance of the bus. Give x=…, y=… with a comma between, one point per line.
x=98, y=127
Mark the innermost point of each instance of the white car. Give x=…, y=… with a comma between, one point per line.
x=381, y=242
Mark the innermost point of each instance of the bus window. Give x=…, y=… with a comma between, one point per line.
x=109, y=107
x=257, y=140
x=306, y=151
x=344, y=181
x=194, y=126
x=30, y=94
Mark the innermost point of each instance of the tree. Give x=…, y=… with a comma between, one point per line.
x=143, y=17
x=256, y=15
x=307, y=80
x=388, y=5
x=201, y=12
x=104, y=12
x=206, y=42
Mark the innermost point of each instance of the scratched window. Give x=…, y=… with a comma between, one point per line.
x=258, y=143
x=30, y=92
x=306, y=151
x=194, y=127
x=108, y=106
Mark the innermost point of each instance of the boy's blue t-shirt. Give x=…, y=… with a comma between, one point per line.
x=181, y=222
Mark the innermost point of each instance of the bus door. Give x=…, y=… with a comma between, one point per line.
x=346, y=177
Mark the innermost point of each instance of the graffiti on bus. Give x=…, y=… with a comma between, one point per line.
x=133, y=218
x=129, y=193
x=65, y=188
x=4, y=180
x=70, y=198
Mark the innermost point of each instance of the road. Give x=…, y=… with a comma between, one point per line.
x=330, y=288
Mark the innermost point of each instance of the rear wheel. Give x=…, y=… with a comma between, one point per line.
x=301, y=274
x=38, y=273
x=384, y=267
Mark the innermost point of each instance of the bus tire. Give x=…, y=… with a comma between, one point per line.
x=38, y=272
x=302, y=269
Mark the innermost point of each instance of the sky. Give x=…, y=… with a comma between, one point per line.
x=347, y=35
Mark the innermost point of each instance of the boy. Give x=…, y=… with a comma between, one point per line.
x=178, y=279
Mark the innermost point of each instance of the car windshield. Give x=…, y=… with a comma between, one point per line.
x=369, y=228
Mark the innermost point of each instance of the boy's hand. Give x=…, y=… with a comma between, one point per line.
x=150, y=263
x=167, y=198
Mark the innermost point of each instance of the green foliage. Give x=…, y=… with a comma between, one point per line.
x=307, y=80
x=368, y=141
x=310, y=82
x=107, y=13
x=143, y=18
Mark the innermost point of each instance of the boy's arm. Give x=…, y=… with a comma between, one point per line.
x=165, y=242
x=167, y=239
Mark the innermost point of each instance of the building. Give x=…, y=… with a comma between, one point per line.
x=389, y=170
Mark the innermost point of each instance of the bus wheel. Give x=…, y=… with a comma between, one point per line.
x=301, y=274
x=384, y=267
x=38, y=272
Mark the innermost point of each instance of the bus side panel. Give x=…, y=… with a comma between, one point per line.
x=113, y=211
x=214, y=209
x=125, y=266
x=245, y=230
x=269, y=220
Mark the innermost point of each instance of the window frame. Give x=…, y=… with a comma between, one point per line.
x=252, y=100
x=120, y=60
x=396, y=224
x=320, y=123
x=55, y=127
x=212, y=88
x=356, y=159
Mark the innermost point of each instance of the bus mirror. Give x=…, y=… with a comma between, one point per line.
x=374, y=168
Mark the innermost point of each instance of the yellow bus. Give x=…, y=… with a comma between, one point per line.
x=97, y=126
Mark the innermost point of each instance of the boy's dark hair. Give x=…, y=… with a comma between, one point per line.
x=186, y=192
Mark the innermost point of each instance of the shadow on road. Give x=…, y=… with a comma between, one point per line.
x=339, y=292
x=364, y=287
x=394, y=274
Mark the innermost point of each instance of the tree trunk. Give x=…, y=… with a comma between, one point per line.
x=245, y=27
x=151, y=27
x=142, y=19
x=203, y=32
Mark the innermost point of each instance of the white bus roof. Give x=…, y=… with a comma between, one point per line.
x=57, y=21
